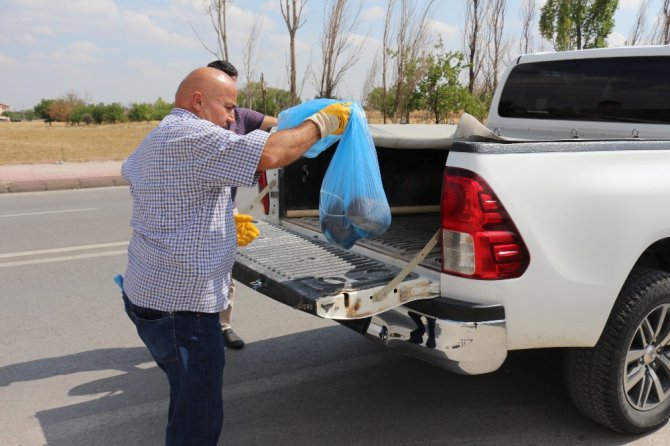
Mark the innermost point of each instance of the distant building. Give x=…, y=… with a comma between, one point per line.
x=3, y=107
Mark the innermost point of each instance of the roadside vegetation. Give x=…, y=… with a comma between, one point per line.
x=38, y=141
x=41, y=142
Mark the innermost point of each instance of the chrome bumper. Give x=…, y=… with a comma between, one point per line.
x=460, y=346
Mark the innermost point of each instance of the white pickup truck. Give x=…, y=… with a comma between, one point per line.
x=561, y=239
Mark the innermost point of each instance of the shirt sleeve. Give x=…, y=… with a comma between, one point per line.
x=251, y=119
x=226, y=159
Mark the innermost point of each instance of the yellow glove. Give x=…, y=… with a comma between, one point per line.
x=246, y=230
x=333, y=119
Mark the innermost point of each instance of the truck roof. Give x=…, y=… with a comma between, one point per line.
x=593, y=53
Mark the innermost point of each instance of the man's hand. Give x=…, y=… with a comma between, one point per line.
x=246, y=230
x=333, y=119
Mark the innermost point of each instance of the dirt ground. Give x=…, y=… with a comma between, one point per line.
x=39, y=142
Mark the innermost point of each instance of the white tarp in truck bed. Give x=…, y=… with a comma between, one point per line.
x=413, y=136
x=428, y=136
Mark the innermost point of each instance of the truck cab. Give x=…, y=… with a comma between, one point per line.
x=605, y=93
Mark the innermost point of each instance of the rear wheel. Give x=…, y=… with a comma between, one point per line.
x=624, y=381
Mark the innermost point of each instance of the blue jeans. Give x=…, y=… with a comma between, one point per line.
x=188, y=347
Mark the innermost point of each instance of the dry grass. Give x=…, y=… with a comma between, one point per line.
x=37, y=142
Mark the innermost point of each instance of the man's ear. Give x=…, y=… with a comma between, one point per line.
x=196, y=101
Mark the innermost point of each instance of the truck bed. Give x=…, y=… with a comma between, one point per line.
x=292, y=262
x=407, y=235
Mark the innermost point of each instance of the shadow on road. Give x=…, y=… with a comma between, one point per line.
x=327, y=386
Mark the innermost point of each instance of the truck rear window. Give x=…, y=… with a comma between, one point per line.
x=629, y=89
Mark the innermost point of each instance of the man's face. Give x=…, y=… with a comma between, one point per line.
x=219, y=108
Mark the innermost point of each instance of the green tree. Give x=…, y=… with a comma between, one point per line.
x=61, y=108
x=477, y=104
x=87, y=117
x=577, y=24
x=406, y=97
x=267, y=100
x=114, y=113
x=140, y=112
x=77, y=115
x=161, y=109
x=439, y=88
x=42, y=109
x=382, y=101
x=20, y=115
x=97, y=112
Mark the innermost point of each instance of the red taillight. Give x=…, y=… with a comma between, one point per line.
x=479, y=239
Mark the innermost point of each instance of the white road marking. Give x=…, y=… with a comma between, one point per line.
x=62, y=259
x=48, y=212
x=64, y=249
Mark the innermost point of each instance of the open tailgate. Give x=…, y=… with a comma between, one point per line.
x=322, y=279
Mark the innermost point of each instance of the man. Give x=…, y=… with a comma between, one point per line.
x=183, y=243
x=246, y=121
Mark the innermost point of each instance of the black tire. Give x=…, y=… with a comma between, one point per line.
x=624, y=381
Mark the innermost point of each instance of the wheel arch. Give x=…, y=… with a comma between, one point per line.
x=656, y=256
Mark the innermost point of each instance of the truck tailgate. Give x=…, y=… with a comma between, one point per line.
x=322, y=279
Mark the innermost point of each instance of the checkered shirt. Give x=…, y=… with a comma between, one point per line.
x=184, y=239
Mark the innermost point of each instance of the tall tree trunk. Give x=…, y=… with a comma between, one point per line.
x=390, y=5
x=527, y=14
x=217, y=9
x=475, y=11
x=497, y=46
x=224, y=34
x=412, y=39
x=292, y=11
x=264, y=96
x=338, y=55
x=249, y=57
x=665, y=34
x=637, y=31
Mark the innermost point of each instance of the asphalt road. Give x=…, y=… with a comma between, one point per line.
x=73, y=371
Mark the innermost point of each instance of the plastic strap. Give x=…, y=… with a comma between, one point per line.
x=381, y=294
x=259, y=197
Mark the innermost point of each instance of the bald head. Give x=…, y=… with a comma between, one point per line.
x=209, y=94
x=206, y=80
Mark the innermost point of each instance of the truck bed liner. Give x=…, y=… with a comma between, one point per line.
x=319, y=278
x=406, y=236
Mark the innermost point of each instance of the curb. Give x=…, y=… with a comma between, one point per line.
x=60, y=184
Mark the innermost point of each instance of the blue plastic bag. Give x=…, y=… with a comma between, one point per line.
x=353, y=203
x=294, y=116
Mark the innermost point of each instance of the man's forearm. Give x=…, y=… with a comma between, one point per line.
x=285, y=146
x=268, y=123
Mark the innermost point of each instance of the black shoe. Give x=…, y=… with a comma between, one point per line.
x=231, y=339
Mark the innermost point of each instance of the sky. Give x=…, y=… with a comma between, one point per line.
x=134, y=51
